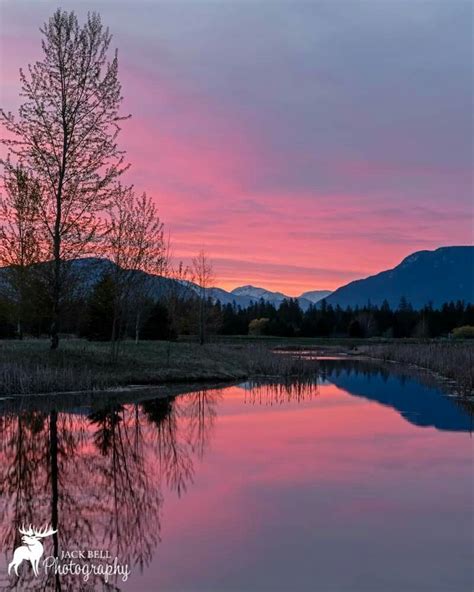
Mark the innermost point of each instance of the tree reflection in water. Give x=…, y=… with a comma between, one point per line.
x=98, y=478
x=279, y=393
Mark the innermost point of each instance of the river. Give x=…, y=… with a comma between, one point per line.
x=359, y=480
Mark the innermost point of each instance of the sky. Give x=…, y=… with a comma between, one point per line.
x=301, y=144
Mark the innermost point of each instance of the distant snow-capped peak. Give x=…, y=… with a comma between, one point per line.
x=255, y=292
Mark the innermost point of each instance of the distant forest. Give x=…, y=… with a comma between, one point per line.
x=328, y=321
x=175, y=314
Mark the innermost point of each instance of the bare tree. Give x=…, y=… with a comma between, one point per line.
x=177, y=296
x=66, y=133
x=134, y=243
x=203, y=276
x=19, y=241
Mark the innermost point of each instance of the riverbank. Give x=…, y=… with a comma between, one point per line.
x=451, y=360
x=29, y=367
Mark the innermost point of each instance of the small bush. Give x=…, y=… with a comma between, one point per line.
x=465, y=332
x=258, y=326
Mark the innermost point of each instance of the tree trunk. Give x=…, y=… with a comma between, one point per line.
x=114, y=349
x=201, y=322
x=113, y=340
x=56, y=300
x=57, y=228
x=137, y=327
x=57, y=260
x=19, y=329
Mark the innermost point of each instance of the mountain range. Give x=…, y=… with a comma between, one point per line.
x=442, y=275
x=90, y=270
x=254, y=294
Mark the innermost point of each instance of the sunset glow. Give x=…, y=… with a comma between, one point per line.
x=266, y=138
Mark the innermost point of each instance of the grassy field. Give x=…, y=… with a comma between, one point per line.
x=30, y=367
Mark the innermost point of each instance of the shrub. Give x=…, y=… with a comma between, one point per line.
x=258, y=326
x=158, y=325
x=464, y=332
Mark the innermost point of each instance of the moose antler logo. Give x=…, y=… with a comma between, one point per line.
x=32, y=548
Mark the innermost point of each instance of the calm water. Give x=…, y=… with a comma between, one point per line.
x=361, y=482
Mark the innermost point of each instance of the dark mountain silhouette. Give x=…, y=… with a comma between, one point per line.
x=439, y=276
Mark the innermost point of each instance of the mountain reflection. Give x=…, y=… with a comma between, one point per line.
x=416, y=396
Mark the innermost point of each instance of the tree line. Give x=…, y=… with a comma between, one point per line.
x=325, y=320
x=184, y=310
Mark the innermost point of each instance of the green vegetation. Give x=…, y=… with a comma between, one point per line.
x=465, y=332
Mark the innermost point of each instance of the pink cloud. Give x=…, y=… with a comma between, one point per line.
x=215, y=177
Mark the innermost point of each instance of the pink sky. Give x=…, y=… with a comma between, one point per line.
x=298, y=147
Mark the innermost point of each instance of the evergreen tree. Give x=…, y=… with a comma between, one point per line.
x=158, y=324
x=100, y=311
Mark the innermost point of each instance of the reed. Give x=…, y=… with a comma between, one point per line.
x=449, y=359
x=28, y=367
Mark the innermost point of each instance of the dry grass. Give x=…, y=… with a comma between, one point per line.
x=29, y=366
x=451, y=360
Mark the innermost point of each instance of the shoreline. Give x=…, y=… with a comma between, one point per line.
x=27, y=368
x=449, y=363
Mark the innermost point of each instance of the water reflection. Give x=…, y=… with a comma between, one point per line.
x=278, y=393
x=417, y=397
x=100, y=476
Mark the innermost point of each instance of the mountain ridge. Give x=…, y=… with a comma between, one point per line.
x=255, y=293
x=438, y=276
x=442, y=275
